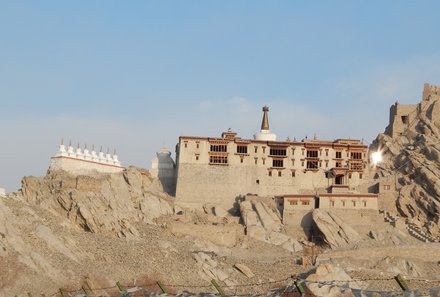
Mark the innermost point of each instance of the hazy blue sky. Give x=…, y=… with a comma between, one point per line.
x=134, y=75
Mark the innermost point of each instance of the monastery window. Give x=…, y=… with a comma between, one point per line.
x=356, y=155
x=257, y=181
x=320, y=164
x=354, y=203
x=365, y=203
x=302, y=163
x=332, y=203
x=197, y=144
x=219, y=148
x=360, y=175
x=293, y=202
x=405, y=119
x=293, y=151
x=270, y=172
x=338, y=164
x=256, y=149
x=278, y=152
x=277, y=163
x=293, y=162
x=349, y=175
x=312, y=164
x=356, y=166
x=241, y=160
x=293, y=173
x=326, y=164
x=264, y=150
x=347, y=154
x=386, y=187
x=305, y=202
x=312, y=154
x=338, y=155
x=197, y=157
x=302, y=152
x=218, y=159
x=264, y=161
x=186, y=144
x=279, y=173
x=326, y=152
x=241, y=149
x=256, y=161
x=343, y=203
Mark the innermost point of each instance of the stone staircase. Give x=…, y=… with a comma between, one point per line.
x=414, y=230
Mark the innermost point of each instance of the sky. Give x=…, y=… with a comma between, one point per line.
x=135, y=75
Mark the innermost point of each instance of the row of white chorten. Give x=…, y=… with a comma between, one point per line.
x=87, y=155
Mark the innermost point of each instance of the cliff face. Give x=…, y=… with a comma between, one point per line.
x=106, y=203
x=412, y=160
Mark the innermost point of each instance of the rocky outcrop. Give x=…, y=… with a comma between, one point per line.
x=335, y=233
x=263, y=223
x=330, y=281
x=100, y=202
x=412, y=159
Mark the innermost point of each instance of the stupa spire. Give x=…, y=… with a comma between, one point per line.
x=265, y=122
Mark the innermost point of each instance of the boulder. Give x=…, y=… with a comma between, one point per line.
x=328, y=281
x=335, y=232
x=263, y=224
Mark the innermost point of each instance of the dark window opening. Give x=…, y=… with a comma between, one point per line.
x=277, y=163
x=339, y=179
x=405, y=119
x=242, y=149
x=356, y=155
x=277, y=152
x=312, y=154
x=218, y=159
x=219, y=148
x=312, y=164
x=338, y=155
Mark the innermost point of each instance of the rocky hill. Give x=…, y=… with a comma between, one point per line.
x=73, y=231
x=411, y=162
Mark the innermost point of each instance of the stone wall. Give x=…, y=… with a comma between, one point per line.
x=78, y=166
x=401, y=116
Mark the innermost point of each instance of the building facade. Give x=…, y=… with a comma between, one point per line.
x=220, y=170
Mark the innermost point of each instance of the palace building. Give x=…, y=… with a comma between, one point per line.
x=221, y=170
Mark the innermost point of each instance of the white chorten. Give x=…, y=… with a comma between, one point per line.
x=61, y=150
x=265, y=133
x=79, y=161
x=2, y=192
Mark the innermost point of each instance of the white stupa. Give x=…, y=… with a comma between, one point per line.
x=2, y=192
x=265, y=133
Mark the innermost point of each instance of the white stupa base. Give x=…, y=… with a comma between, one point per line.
x=265, y=135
